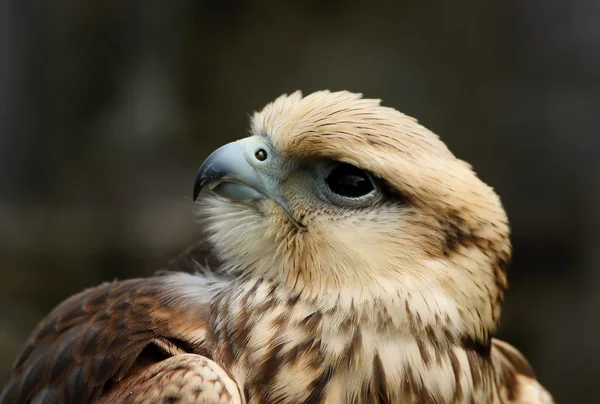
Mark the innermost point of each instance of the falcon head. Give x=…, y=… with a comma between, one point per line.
x=357, y=207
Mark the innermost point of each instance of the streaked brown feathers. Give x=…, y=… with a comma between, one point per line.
x=94, y=339
x=184, y=378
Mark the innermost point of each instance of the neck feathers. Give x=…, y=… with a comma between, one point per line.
x=288, y=349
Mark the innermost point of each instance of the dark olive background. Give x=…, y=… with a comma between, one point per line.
x=107, y=108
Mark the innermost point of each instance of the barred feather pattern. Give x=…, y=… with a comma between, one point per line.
x=280, y=349
x=106, y=343
x=156, y=339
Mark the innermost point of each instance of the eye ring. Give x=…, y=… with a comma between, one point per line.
x=261, y=154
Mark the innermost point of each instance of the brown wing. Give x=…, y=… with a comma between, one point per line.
x=92, y=341
x=186, y=378
x=515, y=376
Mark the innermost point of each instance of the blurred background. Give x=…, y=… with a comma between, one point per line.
x=107, y=109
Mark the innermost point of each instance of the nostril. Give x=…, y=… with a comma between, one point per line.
x=261, y=154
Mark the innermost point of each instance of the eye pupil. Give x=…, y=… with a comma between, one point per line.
x=349, y=181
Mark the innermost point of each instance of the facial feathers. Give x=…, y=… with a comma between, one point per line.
x=441, y=238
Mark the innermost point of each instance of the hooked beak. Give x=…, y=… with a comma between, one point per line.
x=226, y=172
x=240, y=170
x=243, y=170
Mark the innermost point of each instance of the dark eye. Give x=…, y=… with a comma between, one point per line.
x=349, y=181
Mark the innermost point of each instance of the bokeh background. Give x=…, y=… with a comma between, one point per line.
x=107, y=108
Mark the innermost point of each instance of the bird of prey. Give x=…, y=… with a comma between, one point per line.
x=352, y=259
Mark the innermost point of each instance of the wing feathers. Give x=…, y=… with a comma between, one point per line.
x=185, y=378
x=515, y=377
x=92, y=340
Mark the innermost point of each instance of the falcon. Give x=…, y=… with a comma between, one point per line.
x=351, y=258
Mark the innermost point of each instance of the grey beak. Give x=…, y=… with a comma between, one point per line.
x=235, y=172
x=227, y=173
